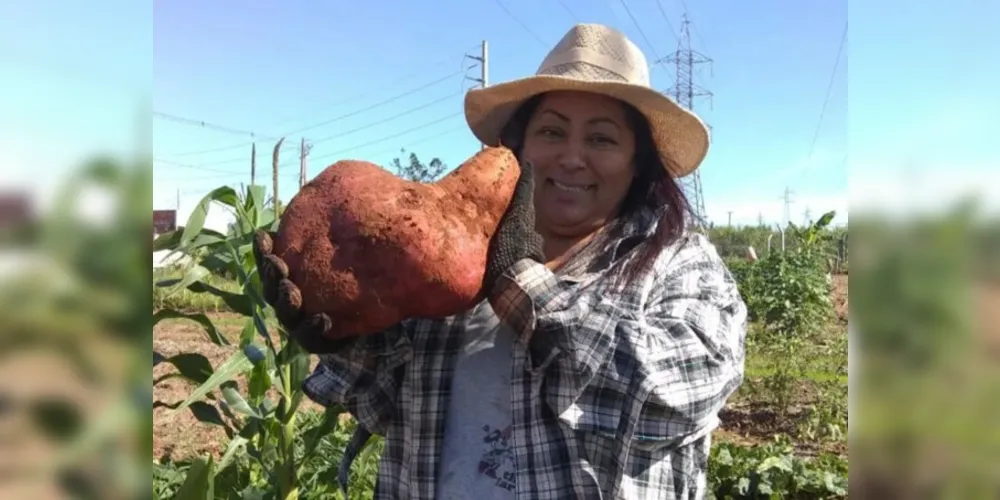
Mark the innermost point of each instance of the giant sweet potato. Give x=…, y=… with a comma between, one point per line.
x=370, y=249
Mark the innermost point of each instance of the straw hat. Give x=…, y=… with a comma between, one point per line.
x=595, y=58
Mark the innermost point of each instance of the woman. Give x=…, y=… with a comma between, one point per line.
x=611, y=337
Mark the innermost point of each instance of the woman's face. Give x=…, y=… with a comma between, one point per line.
x=582, y=148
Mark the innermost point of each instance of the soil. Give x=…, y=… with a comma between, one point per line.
x=179, y=435
x=751, y=422
x=839, y=297
x=42, y=374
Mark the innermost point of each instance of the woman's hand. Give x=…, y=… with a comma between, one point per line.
x=515, y=238
x=309, y=331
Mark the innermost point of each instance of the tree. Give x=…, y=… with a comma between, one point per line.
x=415, y=170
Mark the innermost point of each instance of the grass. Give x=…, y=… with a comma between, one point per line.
x=798, y=391
x=186, y=300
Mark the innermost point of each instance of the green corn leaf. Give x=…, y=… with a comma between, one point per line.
x=235, y=365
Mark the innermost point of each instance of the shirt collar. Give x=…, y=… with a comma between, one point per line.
x=625, y=234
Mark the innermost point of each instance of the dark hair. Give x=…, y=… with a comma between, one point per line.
x=652, y=187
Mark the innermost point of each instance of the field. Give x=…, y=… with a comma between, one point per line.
x=783, y=432
x=746, y=420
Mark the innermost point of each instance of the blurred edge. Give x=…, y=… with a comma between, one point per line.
x=924, y=352
x=75, y=329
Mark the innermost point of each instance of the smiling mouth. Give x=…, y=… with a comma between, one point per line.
x=570, y=188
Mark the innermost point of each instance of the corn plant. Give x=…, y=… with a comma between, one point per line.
x=260, y=423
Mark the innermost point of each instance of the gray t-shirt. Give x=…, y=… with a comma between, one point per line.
x=478, y=458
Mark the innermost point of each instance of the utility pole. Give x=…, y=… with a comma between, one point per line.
x=684, y=92
x=178, y=200
x=274, y=168
x=253, y=164
x=787, y=198
x=484, y=68
x=304, y=149
x=730, y=218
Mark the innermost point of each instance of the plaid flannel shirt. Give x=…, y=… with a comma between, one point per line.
x=615, y=393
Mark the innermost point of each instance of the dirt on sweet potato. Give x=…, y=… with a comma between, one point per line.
x=371, y=249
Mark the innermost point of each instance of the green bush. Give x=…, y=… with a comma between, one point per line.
x=773, y=471
x=732, y=242
x=750, y=283
x=789, y=290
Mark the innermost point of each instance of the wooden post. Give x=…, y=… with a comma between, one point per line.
x=253, y=164
x=274, y=167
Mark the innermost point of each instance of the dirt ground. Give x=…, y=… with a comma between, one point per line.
x=43, y=374
x=839, y=296
x=179, y=435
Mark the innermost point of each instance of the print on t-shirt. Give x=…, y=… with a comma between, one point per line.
x=498, y=460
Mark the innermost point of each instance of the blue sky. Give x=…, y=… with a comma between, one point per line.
x=75, y=81
x=275, y=69
x=920, y=88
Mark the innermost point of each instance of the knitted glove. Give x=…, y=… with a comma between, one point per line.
x=515, y=238
x=309, y=331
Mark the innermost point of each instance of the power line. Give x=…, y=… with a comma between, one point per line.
x=518, y=21
x=389, y=119
x=641, y=33
x=408, y=145
x=193, y=167
x=393, y=136
x=826, y=99
x=353, y=113
x=568, y=10
x=231, y=175
x=208, y=125
x=230, y=147
x=223, y=148
x=219, y=173
x=341, y=117
x=425, y=139
x=421, y=71
x=666, y=19
x=373, y=106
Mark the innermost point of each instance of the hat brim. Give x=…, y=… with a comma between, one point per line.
x=679, y=134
